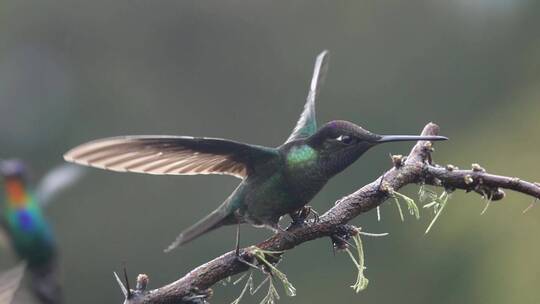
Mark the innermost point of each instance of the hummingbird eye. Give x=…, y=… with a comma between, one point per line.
x=346, y=139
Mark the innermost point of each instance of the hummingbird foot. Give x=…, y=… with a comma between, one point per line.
x=299, y=218
x=241, y=255
x=316, y=216
x=245, y=257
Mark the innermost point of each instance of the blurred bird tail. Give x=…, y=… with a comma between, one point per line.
x=45, y=283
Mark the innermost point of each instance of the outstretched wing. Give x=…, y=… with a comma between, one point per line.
x=9, y=283
x=57, y=180
x=307, y=124
x=171, y=155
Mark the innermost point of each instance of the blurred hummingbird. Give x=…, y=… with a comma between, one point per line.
x=25, y=226
x=275, y=181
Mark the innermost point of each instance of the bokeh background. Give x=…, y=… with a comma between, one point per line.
x=72, y=71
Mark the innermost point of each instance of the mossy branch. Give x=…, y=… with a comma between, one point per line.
x=416, y=168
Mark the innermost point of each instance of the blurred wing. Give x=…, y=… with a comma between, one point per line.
x=9, y=283
x=307, y=124
x=58, y=179
x=171, y=155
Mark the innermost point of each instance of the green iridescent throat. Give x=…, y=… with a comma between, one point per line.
x=301, y=155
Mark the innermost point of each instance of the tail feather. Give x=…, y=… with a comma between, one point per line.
x=45, y=283
x=216, y=219
x=223, y=215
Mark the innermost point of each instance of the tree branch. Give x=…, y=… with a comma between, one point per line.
x=416, y=168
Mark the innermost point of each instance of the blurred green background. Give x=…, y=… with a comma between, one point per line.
x=72, y=71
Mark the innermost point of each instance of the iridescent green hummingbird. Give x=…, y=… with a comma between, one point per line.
x=275, y=181
x=25, y=226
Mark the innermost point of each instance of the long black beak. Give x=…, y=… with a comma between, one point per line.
x=389, y=138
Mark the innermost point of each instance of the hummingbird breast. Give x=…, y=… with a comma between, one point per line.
x=283, y=192
x=29, y=233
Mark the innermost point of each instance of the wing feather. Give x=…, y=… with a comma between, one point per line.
x=307, y=123
x=56, y=181
x=171, y=155
x=9, y=283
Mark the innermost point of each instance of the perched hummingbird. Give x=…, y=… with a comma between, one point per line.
x=275, y=181
x=26, y=228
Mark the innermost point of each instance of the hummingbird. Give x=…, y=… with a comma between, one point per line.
x=25, y=226
x=275, y=181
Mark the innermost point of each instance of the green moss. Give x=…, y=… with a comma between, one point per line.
x=274, y=274
x=359, y=261
x=438, y=204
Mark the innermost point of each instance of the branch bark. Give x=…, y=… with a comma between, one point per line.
x=417, y=168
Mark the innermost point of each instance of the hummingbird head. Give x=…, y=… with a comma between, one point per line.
x=13, y=169
x=340, y=143
x=15, y=174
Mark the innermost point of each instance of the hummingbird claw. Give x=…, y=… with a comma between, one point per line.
x=316, y=216
x=299, y=217
x=241, y=259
